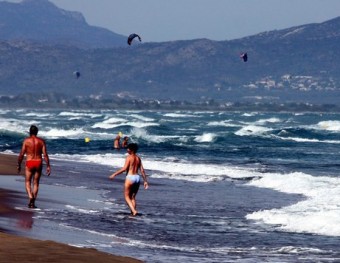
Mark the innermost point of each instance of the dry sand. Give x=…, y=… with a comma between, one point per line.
x=21, y=249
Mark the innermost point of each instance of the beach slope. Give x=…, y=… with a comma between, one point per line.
x=21, y=249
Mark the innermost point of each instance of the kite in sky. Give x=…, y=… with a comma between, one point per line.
x=244, y=56
x=132, y=36
x=77, y=73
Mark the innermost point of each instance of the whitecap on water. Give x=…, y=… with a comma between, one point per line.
x=252, y=130
x=329, y=126
x=319, y=213
x=206, y=137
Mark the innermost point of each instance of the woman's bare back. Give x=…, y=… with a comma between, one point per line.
x=134, y=164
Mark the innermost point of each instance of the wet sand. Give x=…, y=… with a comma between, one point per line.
x=21, y=249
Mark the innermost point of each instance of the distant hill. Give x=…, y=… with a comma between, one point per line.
x=298, y=64
x=41, y=21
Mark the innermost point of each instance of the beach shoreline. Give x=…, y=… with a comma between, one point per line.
x=23, y=249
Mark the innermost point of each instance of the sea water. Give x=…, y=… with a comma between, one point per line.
x=224, y=186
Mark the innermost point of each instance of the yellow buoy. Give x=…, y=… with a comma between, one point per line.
x=87, y=139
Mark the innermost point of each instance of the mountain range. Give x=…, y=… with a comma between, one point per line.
x=43, y=46
x=41, y=21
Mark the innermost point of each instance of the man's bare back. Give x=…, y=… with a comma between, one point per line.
x=35, y=150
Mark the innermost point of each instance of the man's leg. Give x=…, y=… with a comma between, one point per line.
x=28, y=179
x=36, y=181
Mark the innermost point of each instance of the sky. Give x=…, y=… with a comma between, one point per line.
x=170, y=20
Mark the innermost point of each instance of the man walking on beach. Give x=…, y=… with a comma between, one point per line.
x=34, y=148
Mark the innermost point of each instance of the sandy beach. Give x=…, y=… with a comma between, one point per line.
x=21, y=249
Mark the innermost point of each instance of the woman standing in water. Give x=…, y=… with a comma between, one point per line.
x=133, y=164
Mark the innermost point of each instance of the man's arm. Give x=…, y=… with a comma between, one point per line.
x=47, y=159
x=21, y=155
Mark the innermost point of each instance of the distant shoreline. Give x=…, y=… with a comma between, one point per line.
x=58, y=101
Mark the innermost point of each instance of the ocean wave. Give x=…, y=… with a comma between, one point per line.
x=62, y=133
x=142, y=118
x=251, y=130
x=109, y=123
x=297, y=139
x=333, y=126
x=168, y=168
x=82, y=210
x=206, y=137
x=269, y=120
x=318, y=214
x=225, y=123
x=3, y=111
x=139, y=133
x=251, y=114
x=79, y=114
x=37, y=114
x=180, y=115
x=16, y=126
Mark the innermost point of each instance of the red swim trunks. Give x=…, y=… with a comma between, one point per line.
x=34, y=164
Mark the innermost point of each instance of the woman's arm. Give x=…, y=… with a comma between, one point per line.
x=125, y=167
x=146, y=184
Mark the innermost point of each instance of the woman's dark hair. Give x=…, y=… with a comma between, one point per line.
x=133, y=147
x=34, y=130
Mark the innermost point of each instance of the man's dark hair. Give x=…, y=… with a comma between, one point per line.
x=133, y=147
x=34, y=130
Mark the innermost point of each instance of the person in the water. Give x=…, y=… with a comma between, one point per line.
x=133, y=165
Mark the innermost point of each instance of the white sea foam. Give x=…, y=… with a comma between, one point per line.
x=82, y=210
x=252, y=130
x=137, y=124
x=79, y=114
x=249, y=114
x=194, y=172
x=180, y=115
x=37, y=114
x=109, y=123
x=60, y=133
x=225, y=123
x=269, y=120
x=206, y=137
x=142, y=118
x=143, y=134
x=2, y=111
x=92, y=232
x=177, y=170
x=319, y=213
x=333, y=126
x=16, y=126
x=297, y=139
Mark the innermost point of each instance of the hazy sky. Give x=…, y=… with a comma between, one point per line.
x=166, y=20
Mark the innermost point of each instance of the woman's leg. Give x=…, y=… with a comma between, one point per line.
x=130, y=191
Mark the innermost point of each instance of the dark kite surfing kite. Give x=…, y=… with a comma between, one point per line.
x=244, y=56
x=131, y=37
x=77, y=73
